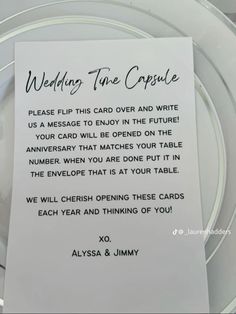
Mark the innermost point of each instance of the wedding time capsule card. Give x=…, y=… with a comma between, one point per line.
x=106, y=181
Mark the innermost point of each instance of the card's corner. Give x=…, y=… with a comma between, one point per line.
x=19, y=43
x=18, y=46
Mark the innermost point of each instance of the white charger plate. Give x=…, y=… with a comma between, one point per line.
x=215, y=69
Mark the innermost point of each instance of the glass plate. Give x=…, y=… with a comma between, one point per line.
x=214, y=37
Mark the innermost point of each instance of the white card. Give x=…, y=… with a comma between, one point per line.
x=106, y=182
